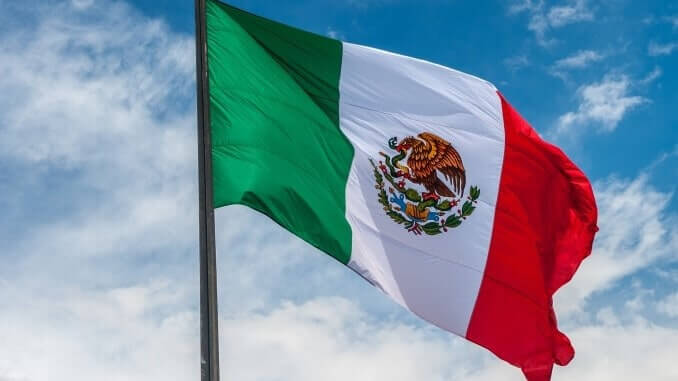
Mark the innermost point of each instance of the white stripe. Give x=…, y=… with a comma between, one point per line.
x=386, y=95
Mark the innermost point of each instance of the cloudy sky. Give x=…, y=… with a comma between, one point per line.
x=98, y=201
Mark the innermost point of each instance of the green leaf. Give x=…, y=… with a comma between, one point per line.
x=392, y=181
x=432, y=228
x=444, y=206
x=467, y=209
x=412, y=195
x=475, y=193
x=453, y=221
x=383, y=198
x=426, y=204
x=397, y=217
x=377, y=175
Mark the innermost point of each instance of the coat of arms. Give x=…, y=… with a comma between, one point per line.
x=426, y=194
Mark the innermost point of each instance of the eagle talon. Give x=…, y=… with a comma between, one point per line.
x=415, y=229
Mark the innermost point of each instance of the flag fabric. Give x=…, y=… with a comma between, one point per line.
x=422, y=179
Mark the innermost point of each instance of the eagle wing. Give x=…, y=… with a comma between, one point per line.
x=444, y=158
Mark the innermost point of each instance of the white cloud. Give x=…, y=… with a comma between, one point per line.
x=579, y=60
x=543, y=19
x=324, y=338
x=657, y=49
x=333, y=339
x=636, y=230
x=83, y=89
x=669, y=305
x=333, y=33
x=573, y=12
x=622, y=352
x=651, y=76
x=82, y=4
x=673, y=20
x=145, y=331
x=524, y=5
x=668, y=276
x=605, y=102
x=637, y=304
x=517, y=62
x=539, y=25
x=101, y=113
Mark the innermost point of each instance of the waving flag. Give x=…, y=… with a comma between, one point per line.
x=422, y=179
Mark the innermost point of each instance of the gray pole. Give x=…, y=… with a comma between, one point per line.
x=209, y=335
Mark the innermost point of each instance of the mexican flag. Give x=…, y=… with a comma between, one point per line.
x=420, y=178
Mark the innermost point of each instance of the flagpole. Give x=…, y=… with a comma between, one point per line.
x=209, y=335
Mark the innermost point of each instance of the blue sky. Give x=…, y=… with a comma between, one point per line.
x=98, y=251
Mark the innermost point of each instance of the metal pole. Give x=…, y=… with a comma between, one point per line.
x=209, y=335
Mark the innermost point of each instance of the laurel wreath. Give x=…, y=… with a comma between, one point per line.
x=431, y=228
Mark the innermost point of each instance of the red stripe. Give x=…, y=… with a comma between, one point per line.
x=544, y=225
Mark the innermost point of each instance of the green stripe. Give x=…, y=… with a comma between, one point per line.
x=274, y=108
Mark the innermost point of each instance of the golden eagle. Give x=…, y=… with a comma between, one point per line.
x=429, y=155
